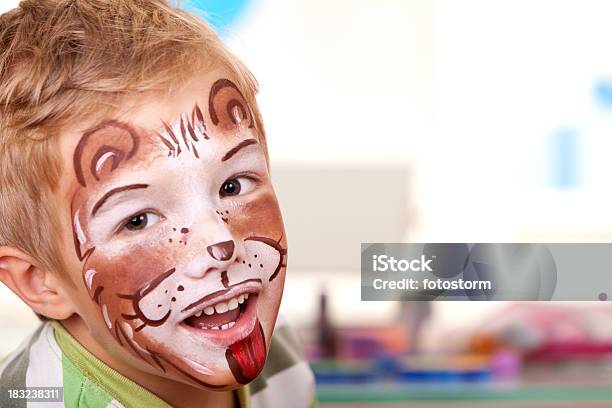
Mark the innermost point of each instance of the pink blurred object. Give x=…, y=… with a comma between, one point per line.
x=506, y=364
x=551, y=332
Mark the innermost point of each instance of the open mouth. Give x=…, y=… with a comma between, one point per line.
x=223, y=315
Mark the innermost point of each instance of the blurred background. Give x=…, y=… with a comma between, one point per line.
x=429, y=121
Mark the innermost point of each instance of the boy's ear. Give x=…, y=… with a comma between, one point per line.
x=40, y=289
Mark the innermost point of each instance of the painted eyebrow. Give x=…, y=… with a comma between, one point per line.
x=114, y=191
x=237, y=148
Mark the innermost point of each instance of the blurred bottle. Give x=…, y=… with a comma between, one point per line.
x=328, y=340
x=413, y=315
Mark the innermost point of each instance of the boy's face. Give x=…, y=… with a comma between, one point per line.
x=179, y=250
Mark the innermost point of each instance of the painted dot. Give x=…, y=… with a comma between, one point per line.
x=243, y=262
x=173, y=299
x=185, y=242
x=158, y=305
x=261, y=265
x=255, y=255
x=165, y=291
x=227, y=212
x=180, y=288
x=603, y=296
x=170, y=240
x=184, y=230
x=173, y=229
x=249, y=265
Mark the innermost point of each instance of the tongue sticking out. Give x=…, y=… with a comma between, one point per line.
x=246, y=358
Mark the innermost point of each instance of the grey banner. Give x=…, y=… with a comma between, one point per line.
x=458, y=271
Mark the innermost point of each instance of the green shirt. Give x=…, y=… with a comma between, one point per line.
x=51, y=357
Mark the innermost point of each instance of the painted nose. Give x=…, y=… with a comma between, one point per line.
x=221, y=251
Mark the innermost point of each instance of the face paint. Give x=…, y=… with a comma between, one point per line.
x=181, y=240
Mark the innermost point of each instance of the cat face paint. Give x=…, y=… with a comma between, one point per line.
x=181, y=239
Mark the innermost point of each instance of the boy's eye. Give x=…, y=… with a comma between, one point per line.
x=141, y=221
x=235, y=186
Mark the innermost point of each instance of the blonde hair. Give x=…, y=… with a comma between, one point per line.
x=61, y=60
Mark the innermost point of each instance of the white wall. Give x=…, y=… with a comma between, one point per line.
x=466, y=93
x=6, y=5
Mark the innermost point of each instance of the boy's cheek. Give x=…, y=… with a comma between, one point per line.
x=112, y=281
x=110, y=275
x=261, y=217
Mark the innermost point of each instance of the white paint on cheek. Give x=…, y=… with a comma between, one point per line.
x=105, y=315
x=78, y=229
x=128, y=331
x=103, y=159
x=197, y=367
x=89, y=275
x=267, y=256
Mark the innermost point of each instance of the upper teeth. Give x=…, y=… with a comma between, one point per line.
x=223, y=307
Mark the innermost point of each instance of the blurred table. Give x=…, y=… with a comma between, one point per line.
x=464, y=395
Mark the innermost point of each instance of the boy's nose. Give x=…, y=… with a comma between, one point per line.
x=221, y=251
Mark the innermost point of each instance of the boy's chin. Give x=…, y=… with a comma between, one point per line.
x=220, y=380
x=233, y=365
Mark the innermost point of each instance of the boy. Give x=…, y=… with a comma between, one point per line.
x=138, y=216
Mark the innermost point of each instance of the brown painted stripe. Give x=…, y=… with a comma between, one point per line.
x=237, y=148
